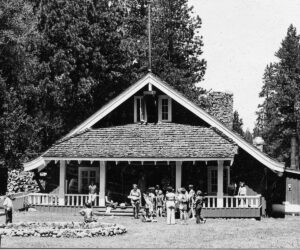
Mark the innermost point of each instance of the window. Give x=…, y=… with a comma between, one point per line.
x=164, y=108
x=139, y=109
x=87, y=175
x=212, y=182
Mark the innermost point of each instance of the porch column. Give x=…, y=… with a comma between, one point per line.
x=220, y=184
x=178, y=174
x=102, y=183
x=62, y=178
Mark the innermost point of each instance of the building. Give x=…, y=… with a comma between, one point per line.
x=151, y=134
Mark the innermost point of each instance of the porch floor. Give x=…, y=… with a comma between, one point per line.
x=239, y=212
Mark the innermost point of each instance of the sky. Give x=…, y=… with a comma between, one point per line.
x=240, y=38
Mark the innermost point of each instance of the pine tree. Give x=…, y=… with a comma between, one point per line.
x=277, y=119
x=237, y=125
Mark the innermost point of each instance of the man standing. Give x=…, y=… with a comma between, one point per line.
x=135, y=197
x=8, y=207
x=191, y=200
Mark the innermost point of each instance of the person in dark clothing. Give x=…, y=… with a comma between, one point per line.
x=198, y=207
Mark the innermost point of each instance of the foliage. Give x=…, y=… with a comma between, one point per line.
x=61, y=61
x=237, y=125
x=277, y=116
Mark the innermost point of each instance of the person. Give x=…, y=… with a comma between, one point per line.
x=87, y=213
x=157, y=189
x=149, y=205
x=242, y=192
x=109, y=203
x=159, y=203
x=183, y=202
x=199, y=200
x=92, y=193
x=191, y=200
x=170, y=205
x=135, y=197
x=8, y=208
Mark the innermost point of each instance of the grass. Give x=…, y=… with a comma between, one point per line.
x=216, y=233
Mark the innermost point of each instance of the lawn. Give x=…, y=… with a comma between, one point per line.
x=232, y=233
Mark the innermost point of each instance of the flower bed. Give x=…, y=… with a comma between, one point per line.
x=61, y=229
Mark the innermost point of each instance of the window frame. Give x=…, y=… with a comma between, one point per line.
x=88, y=169
x=160, y=100
x=135, y=109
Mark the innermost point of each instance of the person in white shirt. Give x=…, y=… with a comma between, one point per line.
x=242, y=192
x=92, y=193
x=8, y=207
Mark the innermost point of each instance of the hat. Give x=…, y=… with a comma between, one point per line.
x=191, y=186
x=182, y=190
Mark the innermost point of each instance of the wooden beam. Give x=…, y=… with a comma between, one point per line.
x=102, y=183
x=178, y=174
x=220, y=193
x=62, y=178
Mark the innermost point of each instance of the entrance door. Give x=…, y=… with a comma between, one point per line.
x=86, y=177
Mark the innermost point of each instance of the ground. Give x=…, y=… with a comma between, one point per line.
x=231, y=233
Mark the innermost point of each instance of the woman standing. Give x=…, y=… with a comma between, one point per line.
x=183, y=201
x=170, y=205
x=135, y=196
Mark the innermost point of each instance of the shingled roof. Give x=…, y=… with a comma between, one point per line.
x=162, y=140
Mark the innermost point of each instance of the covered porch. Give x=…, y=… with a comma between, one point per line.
x=212, y=176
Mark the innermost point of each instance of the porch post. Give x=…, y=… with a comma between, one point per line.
x=220, y=183
x=62, y=178
x=102, y=183
x=178, y=174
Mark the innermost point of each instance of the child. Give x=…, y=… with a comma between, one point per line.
x=198, y=207
x=87, y=213
x=148, y=205
x=159, y=203
x=8, y=207
x=183, y=201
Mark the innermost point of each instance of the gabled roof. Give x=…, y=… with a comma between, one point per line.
x=178, y=97
x=143, y=141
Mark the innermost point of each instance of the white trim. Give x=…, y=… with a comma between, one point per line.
x=36, y=163
x=160, y=98
x=135, y=159
x=176, y=96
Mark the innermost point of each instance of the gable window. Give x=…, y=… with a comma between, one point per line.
x=139, y=109
x=164, y=108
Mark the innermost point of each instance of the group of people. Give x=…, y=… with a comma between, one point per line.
x=189, y=203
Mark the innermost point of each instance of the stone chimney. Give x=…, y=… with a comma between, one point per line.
x=221, y=107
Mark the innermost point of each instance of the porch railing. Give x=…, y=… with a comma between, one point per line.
x=76, y=200
x=79, y=200
x=233, y=201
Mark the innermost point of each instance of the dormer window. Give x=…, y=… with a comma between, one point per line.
x=139, y=109
x=164, y=108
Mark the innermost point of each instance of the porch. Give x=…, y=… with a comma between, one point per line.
x=233, y=206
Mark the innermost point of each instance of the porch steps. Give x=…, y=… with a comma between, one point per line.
x=128, y=211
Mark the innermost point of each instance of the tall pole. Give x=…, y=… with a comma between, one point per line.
x=149, y=34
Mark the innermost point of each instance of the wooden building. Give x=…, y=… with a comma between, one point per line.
x=151, y=134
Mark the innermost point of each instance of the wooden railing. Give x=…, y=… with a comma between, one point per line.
x=233, y=201
x=79, y=200
x=42, y=199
